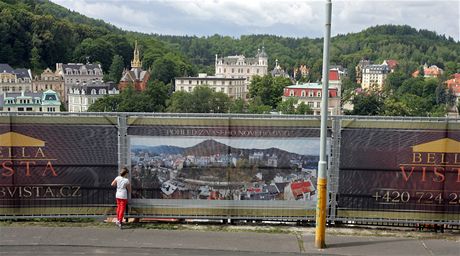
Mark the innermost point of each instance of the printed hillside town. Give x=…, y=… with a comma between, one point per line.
x=75, y=87
x=165, y=172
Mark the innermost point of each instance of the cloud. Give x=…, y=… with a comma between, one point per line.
x=281, y=17
x=248, y=13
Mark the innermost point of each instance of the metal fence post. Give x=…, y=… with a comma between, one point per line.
x=334, y=168
x=122, y=141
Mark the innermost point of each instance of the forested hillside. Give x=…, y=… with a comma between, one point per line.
x=38, y=34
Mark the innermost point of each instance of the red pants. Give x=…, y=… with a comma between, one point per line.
x=121, y=206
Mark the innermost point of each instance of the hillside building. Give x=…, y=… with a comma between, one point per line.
x=233, y=87
x=239, y=66
x=432, y=71
x=77, y=73
x=47, y=101
x=278, y=71
x=373, y=76
x=15, y=80
x=81, y=96
x=310, y=94
x=136, y=76
x=359, y=70
x=301, y=71
x=49, y=80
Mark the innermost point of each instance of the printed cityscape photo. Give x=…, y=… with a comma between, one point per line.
x=207, y=168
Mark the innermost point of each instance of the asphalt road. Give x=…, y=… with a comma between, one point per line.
x=38, y=241
x=92, y=250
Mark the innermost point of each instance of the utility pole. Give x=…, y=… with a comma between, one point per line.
x=320, y=233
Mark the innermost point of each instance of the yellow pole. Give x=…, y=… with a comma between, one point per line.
x=320, y=237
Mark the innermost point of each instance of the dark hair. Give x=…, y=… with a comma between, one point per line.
x=124, y=171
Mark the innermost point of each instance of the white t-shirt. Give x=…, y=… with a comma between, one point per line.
x=122, y=183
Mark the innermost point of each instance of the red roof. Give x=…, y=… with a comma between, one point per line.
x=334, y=75
x=392, y=63
x=454, y=83
x=300, y=187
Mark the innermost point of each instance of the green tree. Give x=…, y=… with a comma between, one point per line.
x=269, y=89
x=220, y=103
x=169, y=66
x=256, y=106
x=35, y=60
x=158, y=94
x=132, y=101
x=180, y=102
x=201, y=100
x=98, y=50
x=370, y=104
x=238, y=106
x=288, y=106
x=116, y=69
x=394, y=81
x=108, y=103
x=304, y=109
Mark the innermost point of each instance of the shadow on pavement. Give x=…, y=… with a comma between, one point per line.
x=361, y=243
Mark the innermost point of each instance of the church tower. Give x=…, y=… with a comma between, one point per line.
x=136, y=77
x=136, y=62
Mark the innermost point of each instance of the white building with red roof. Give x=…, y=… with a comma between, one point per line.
x=392, y=64
x=310, y=94
x=431, y=71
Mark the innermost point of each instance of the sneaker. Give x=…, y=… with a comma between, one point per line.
x=118, y=224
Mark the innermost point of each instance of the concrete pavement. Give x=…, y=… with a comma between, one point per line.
x=140, y=241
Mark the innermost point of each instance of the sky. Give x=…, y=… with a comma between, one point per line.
x=291, y=18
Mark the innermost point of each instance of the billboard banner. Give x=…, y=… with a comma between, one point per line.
x=400, y=174
x=226, y=160
x=57, y=166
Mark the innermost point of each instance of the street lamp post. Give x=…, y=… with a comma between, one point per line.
x=320, y=233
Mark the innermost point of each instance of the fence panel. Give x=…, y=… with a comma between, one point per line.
x=229, y=167
x=400, y=170
x=57, y=165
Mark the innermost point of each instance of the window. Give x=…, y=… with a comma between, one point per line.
x=29, y=109
x=318, y=93
x=20, y=109
x=291, y=93
x=248, y=71
x=233, y=70
x=50, y=97
x=303, y=94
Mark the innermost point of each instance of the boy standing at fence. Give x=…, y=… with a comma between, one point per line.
x=123, y=187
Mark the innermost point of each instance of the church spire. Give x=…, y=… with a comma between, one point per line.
x=136, y=62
